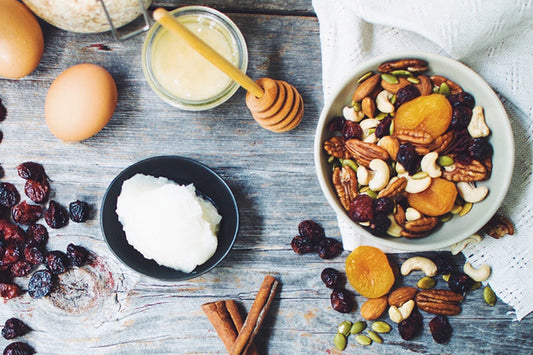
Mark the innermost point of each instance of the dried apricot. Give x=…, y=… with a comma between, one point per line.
x=436, y=200
x=431, y=114
x=369, y=272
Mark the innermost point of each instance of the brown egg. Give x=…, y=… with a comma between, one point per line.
x=21, y=40
x=80, y=102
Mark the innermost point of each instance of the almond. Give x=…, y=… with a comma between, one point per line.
x=373, y=308
x=401, y=295
x=366, y=88
x=368, y=106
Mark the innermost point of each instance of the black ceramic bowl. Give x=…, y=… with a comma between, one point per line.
x=184, y=171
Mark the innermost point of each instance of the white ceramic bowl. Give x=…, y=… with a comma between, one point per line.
x=501, y=139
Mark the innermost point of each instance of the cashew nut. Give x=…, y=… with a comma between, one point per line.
x=381, y=175
x=419, y=263
x=470, y=193
x=459, y=247
x=429, y=164
x=412, y=214
x=368, y=126
x=350, y=114
x=363, y=175
x=395, y=230
x=477, y=126
x=415, y=186
x=397, y=314
x=383, y=102
x=371, y=138
x=480, y=274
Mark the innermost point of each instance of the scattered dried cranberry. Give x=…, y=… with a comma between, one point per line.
x=33, y=254
x=462, y=98
x=37, y=191
x=78, y=211
x=383, y=128
x=19, y=348
x=24, y=213
x=311, y=230
x=3, y=111
x=8, y=291
x=11, y=254
x=351, y=130
x=379, y=225
x=480, y=149
x=56, y=216
x=336, y=124
x=77, y=255
x=461, y=116
x=408, y=157
x=31, y=171
x=40, y=284
x=384, y=205
x=440, y=329
x=13, y=328
x=9, y=196
x=460, y=282
x=361, y=208
x=38, y=234
x=405, y=94
x=443, y=262
x=328, y=248
x=20, y=268
x=301, y=245
x=12, y=232
x=330, y=277
x=341, y=300
x=57, y=262
x=410, y=327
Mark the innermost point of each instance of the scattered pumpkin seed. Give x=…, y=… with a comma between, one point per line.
x=426, y=283
x=466, y=208
x=489, y=296
x=389, y=78
x=420, y=175
x=413, y=80
x=393, y=99
x=444, y=160
x=374, y=336
x=344, y=328
x=340, y=341
x=364, y=77
x=381, y=327
x=356, y=106
x=446, y=277
x=358, y=327
x=363, y=339
x=444, y=89
x=350, y=163
x=445, y=218
x=456, y=209
x=475, y=286
x=402, y=72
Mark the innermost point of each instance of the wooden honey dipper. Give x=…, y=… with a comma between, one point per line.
x=274, y=104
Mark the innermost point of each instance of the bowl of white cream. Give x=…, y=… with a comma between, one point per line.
x=169, y=217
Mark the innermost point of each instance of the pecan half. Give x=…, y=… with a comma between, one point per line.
x=498, y=226
x=335, y=147
x=421, y=225
x=345, y=182
x=459, y=171
x=365, y=88
x=413, y=136
x=438, y=80
x=394, y=188
x=424, y=86
x=364, y=152
x=444, y=302
x=442, y=142
x=413, y=65
x=399, y=215
x=413, y=235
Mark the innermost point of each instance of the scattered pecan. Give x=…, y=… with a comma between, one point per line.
x=498, y=226
x=459, y=171
x=391, y=145
x=335, y=147
x=396, y=186
x=364, y=152
x=366, y=87
x=345, y=182
x=416, y=66
x=444, y=302
x=424, y=86
x=413, y=136
x=402, y=82
x=438, y=80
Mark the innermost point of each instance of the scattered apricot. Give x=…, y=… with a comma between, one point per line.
x=436, y=200
x=369, y=272
x=431, y=114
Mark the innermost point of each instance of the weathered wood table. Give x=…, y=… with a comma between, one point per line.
x=106, y=308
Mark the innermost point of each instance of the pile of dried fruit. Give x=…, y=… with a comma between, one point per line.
x=408, y=151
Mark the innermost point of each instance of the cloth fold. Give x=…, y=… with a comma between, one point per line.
x=494, y=39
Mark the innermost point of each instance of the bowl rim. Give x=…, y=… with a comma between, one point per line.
x=119, y=178
x=373, y=62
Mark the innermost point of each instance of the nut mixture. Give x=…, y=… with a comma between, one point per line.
x=414, y=145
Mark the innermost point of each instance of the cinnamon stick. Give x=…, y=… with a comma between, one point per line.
x=256, y=316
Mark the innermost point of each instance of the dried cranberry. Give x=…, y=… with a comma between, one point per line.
x=33, y=254
x=341, y=300
x=462, y=98
x=351, y=130
x=77, y=255
x=361, y=208
x=301, y=245
x=38, y=234
x=3, y=111
x=40, y=284
x=20, y=268
x=78, y=211
x=460, y=282
x=56, y=216
x=383, y=128
x=5, y=275
x=405, y=94
x=480, y=149
x=461, y=116
x=328, y=248
x=330, y=277
x=9, y=196
x=11, y=254
x=336, y=124
x=24, y=213
x=19, y=348
x=384, y=205
x=13, y=328
x=379, y=225
x=440, y=329
x=31, y=171
x=410, y=327
x=443, y=262
x=9, y=291
x=311, y=230
x=408, y=157
x=57, y=262
x=12, y=232
x=37, y=191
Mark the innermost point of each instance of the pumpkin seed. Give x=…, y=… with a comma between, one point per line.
x=391, y=128
x=420, y=175
x=402, y=72
x=426, y=283
x=372, y=193
x=364, y=77
x=475, y=286
x=363, y=339
x=389, y=78
x=393, y=99
x=445, y=218
x=356, y=106
x=381, y=327
x=413, y=80
x=444, y=89
x=374, y=336
x=466, y=208
x=381, y=116
x=446, y=277
x=358, y=327
x=456, y=209
x=489, y=296
x=445, y=160
x=350, y=163
x=340, y=341
x=331, y=159
x=344, y=328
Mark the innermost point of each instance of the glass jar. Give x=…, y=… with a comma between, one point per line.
x=182, y=77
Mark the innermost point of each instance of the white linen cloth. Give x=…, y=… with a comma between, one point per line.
x=495, y=39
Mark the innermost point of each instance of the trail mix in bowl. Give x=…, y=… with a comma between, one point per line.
x=408, y=151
